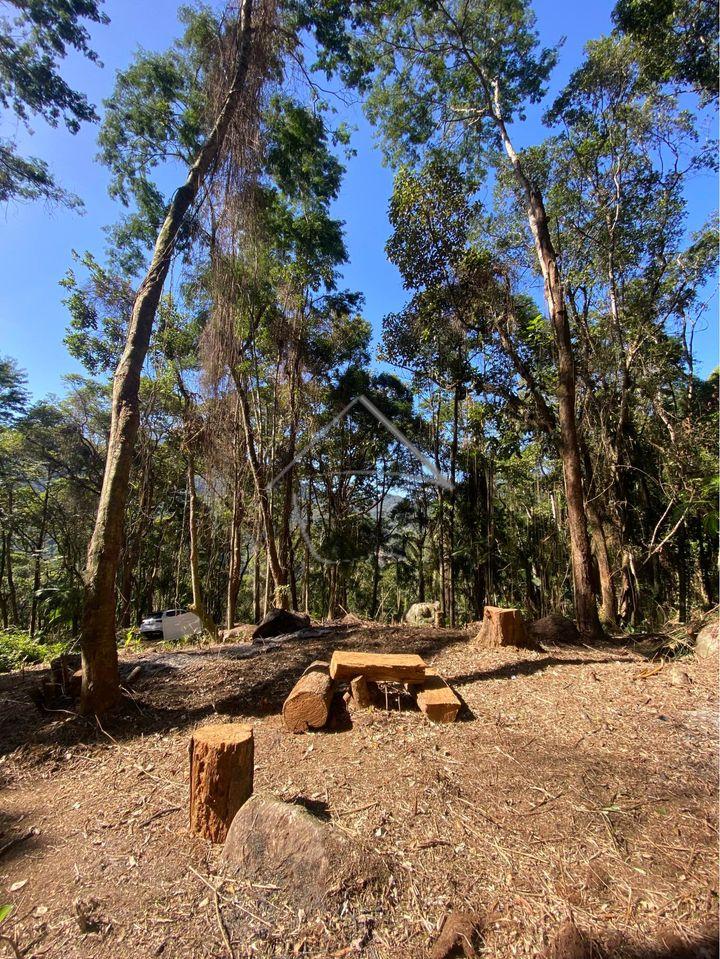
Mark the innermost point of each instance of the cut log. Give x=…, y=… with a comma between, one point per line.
x=361, y=697
x=502, y=627
x=436, y=699
x=380, y=667
x=308, y=704
x=221, y=777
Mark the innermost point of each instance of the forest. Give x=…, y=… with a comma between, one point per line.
x=579, y=439
x=534, y=427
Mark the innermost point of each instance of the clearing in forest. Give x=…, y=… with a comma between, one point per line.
x=576, y=781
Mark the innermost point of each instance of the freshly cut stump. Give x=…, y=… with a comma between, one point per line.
x=221, y=777
x=436, y=699
x=502, y=627
x=379, y=667
x=308, y=704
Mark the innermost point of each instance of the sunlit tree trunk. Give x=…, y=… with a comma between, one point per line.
x=101, y=685
x=586, y=612
x=38, y=556
x=198, y=602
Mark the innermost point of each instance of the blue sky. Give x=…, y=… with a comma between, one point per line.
x=36, y=242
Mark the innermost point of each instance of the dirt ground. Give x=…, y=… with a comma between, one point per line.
x=576, y=782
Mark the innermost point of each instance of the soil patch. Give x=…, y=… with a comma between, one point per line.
x=577, y=782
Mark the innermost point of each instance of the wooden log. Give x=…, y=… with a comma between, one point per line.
x=360, y=691
x=436, y=699
x=308, y=704
x=379, y=667
x=502, y=627
x=221, y=777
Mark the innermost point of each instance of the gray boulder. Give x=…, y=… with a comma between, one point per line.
x=423, y=614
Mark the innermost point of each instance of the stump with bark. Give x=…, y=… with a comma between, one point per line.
x=502, y=627
x=221, y=777
x=308, y=705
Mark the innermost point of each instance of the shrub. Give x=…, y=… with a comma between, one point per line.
x=17, y=649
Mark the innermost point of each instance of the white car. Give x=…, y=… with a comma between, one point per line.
x=170, y=624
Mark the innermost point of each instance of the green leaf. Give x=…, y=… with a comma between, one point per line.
x=5, y=912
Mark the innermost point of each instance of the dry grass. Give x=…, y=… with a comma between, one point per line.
x=577, y=781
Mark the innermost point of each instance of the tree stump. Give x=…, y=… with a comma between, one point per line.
x=502, y=627
x=308, y=704
x=221, y=777
x=360, y=690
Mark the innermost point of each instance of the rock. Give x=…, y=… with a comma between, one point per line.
x=277, y=622
x=74, y=685
x=63, y=667
x=241, y=632
x=458, y=934
x=554, y=629
x=350, y=619
x=678, y=677
x=708, y=641
x=286, y=845
x=423, y=614
x=502, y=627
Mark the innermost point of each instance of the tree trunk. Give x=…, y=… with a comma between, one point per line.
x=378, y=545
x=306, y=558
x=3, y=601
x=233, y=585
x=586, y=613
x=198, y=603
x=38, y=558
x=279, y=575
x=101, y=686
x=453, y=496
x=683, y=603
x=256, y=579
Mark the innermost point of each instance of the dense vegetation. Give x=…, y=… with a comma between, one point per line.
x=579, y=443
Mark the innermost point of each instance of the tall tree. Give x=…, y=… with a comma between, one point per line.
x=471, y=69
x=244, y=38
